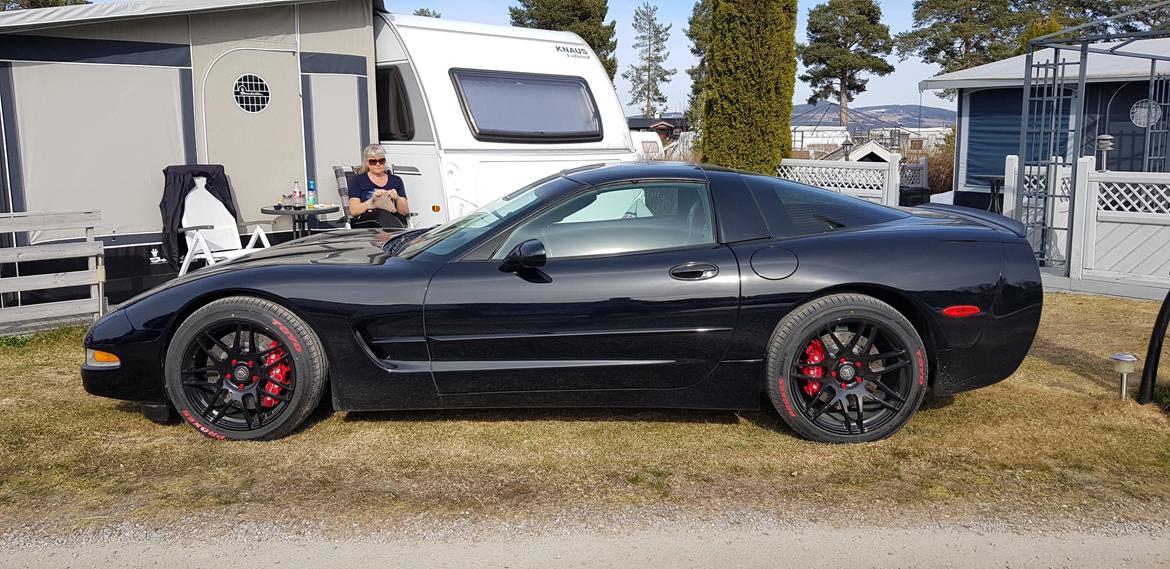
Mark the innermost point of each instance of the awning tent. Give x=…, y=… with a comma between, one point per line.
x=1101, y=67
x=45, y=18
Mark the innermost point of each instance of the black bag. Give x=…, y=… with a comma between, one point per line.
x=377, y=219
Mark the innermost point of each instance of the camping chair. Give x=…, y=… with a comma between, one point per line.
x=211, y=230
x=345, y=176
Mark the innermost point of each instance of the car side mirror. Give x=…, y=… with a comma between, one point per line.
x=527, y=255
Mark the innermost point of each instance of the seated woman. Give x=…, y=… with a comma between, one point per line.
x=377, y=198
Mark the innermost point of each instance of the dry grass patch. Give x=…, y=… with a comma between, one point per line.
x=1050, y=438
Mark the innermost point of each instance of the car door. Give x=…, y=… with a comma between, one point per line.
x=635, y=294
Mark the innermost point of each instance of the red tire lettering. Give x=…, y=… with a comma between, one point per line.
x=784, y=396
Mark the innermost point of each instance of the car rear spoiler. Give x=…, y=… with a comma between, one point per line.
x=984, y=217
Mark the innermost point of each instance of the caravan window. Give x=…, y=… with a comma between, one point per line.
x=394, y=120
x=526, y=107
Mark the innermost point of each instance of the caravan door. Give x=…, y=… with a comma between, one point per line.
x=406, y=134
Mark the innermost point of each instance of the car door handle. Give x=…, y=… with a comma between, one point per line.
x=694, y=272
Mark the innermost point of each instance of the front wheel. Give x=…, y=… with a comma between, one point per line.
x=846, y=368
x=244, y=368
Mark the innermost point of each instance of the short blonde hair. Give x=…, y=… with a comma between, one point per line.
x=370, y=151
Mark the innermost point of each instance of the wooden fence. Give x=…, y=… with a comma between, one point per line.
x=25, y=318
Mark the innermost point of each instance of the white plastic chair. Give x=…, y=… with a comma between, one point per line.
x=211, y=230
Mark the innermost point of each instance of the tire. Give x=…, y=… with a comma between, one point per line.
x=244, y=368
x=846, y=368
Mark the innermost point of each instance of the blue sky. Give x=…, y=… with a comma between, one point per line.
x=899, y=87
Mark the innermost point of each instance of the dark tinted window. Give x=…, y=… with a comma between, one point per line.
x=792, y=209
x=518, y=107
x=394, y=120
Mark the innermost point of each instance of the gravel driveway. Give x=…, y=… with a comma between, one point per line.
x=667, y=544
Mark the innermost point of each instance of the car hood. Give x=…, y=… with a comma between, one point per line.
x=343, y=247
x=347, y=247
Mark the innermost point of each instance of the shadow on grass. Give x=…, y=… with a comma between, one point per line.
x=1095, y=367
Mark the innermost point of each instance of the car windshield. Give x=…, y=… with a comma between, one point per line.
x=443, y=239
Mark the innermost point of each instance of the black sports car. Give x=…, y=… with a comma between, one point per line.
x=638, y=285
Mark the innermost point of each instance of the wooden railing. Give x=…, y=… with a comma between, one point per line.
x=23, y=318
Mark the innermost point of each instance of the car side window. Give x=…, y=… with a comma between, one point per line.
x=621, y=219
x=791, y=209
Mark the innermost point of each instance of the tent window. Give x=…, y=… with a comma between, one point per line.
x=394, y=119
x=527, y=107
x=252, y=94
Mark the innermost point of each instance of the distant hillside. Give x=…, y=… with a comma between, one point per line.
x=878, y=116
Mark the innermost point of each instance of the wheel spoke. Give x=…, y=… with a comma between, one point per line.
x=852, y=347
x=211, y=403
x=845, y=415
x=277, y=396
x=218, y=412
x=892, y=367
x=860, y=413
x=204, y=369
x=884, y=404
x=269, y=365
x=237, y=339
x=261, y=355
x=251, y=339
x=218, y=343
x=885, y=355
x=888, y=391
x=244, y=409
x=833, y=336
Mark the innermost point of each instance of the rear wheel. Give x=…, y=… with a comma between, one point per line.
x=244, y=368
x=846, y=368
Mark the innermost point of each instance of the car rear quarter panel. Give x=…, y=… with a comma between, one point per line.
x=920, y=270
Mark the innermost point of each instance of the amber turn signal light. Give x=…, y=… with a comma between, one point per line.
x=98, y=358
x=435, y=208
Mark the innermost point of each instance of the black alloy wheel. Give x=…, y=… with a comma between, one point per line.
x=244, y=368
x=846, y=368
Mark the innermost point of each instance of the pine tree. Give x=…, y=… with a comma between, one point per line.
x=958, y=34
x=648, y=75
x=751, y=73
x=698, y=31
x=1038, y=27
x=586, y=18
x=428, y=13
x=845, y=39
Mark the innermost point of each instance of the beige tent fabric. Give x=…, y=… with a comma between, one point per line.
x=25, y=20
x=98, y=136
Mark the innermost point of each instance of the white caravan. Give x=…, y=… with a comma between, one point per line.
x=469, y=112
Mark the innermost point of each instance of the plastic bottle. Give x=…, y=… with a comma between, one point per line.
x=297, y=196
x=312, y=193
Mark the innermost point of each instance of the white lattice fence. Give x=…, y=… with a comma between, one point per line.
x=871, y=181
x=1133, y=197
x=914, y=175
x=1124, y=236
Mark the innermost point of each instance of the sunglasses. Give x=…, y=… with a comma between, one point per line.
x=378, y=162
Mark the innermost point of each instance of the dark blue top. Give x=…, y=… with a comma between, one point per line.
x=363, y=188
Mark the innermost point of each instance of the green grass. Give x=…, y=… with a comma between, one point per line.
x=1053, y=436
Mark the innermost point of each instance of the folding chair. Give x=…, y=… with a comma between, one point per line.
x=211, y=230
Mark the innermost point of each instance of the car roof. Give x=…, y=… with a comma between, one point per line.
x=604, y=174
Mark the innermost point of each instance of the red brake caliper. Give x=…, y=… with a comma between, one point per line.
x=814, y=353
x=277, y=376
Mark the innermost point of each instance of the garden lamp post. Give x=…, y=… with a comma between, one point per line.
x=1124, y=363
x=1104, y=145
x=847, y=145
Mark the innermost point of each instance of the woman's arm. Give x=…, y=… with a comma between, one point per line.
x=402, y=205
x=358, y=207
